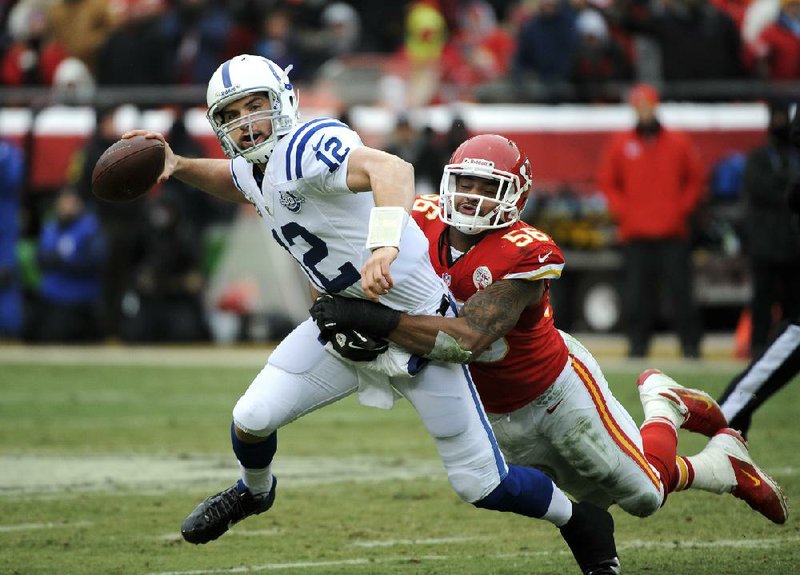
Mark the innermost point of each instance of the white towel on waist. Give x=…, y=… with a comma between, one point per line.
x=374, y=377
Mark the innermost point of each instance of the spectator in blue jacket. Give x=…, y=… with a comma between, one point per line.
x=11, y=176
x=546, y=44
x=71, y=254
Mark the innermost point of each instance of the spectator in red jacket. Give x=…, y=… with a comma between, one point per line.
x=777, y=49
x=652, y=178
x=31, y=58
x=479, y=51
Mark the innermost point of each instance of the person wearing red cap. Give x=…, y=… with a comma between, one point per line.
x=653, y=180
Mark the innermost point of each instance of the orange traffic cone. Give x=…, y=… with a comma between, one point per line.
x=741, y=337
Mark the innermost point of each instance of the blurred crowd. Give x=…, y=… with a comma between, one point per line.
x=140, y=272
x=77, y=269
x=429, y=50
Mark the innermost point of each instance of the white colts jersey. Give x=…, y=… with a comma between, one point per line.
x=304, y=199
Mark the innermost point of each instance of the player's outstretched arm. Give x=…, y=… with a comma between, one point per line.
x=212, y=176
x=487, y=316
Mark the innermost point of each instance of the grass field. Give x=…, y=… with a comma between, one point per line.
x=103, y=453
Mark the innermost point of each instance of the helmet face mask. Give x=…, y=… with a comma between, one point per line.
x=490, y=157
x=239, y=78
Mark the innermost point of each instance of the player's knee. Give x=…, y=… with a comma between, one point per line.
x=588, y=451
x=469, y=487
x=643, y=503
x=253, y=418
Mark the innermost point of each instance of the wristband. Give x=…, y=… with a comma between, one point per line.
x=386, y=225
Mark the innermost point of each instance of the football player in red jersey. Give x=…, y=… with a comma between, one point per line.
x=545, y=395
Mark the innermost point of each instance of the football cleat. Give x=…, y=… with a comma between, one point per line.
x=699, y=411
x=220, y=512
x=590, y=536
x=734, y=471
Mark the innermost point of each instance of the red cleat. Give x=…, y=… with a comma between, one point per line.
x=700, y=413
x=731, y=465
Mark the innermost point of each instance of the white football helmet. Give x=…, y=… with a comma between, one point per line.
x=492, y=157
x=240, y=77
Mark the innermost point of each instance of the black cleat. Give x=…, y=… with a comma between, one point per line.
x=590, y=536
x=218, y=513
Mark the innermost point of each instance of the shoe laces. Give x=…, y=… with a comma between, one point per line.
x=227, y=505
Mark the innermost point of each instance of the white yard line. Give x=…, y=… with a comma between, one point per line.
x=35, y=526
x=432, y=541
x=717, y=543
x=688, y=544
x=62, y=474
x=46, y=474
x=295, y=565
x=189, y=356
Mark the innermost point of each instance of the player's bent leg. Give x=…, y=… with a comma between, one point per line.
x=725, y=466
x=454, y=417
x=690, y=409
x=283, y=391
x=594, y=435
x=478, y=473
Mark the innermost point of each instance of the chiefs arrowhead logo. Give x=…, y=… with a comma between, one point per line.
x=482, y=277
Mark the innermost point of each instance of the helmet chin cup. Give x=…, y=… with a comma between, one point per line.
x=470, y=225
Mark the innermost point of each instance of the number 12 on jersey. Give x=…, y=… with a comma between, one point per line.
x=332, y=146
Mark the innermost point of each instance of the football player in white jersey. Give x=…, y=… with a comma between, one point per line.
x=305, y=181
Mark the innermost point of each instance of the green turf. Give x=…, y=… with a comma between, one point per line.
x=322, y=522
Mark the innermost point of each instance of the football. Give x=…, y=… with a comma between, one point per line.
x=128, y=169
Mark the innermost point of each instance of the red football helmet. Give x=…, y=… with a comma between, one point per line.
x=492, y=157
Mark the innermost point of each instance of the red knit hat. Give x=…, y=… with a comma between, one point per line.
x=643, y=92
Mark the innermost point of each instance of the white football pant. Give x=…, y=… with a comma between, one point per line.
x=300, y=377
x=583, y=438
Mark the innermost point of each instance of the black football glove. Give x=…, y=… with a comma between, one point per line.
x=358, y=346
x=334, y=314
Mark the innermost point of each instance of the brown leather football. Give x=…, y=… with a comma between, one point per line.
x=128, y=169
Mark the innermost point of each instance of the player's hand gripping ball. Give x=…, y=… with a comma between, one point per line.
x=128, y=169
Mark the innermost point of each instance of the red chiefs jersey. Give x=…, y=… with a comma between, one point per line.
x=520, y=366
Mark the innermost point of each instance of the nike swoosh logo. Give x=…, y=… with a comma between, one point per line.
x=701, y=398
x=552, y=408
x=756, y=480
x=316, y=148
x=543, y=257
